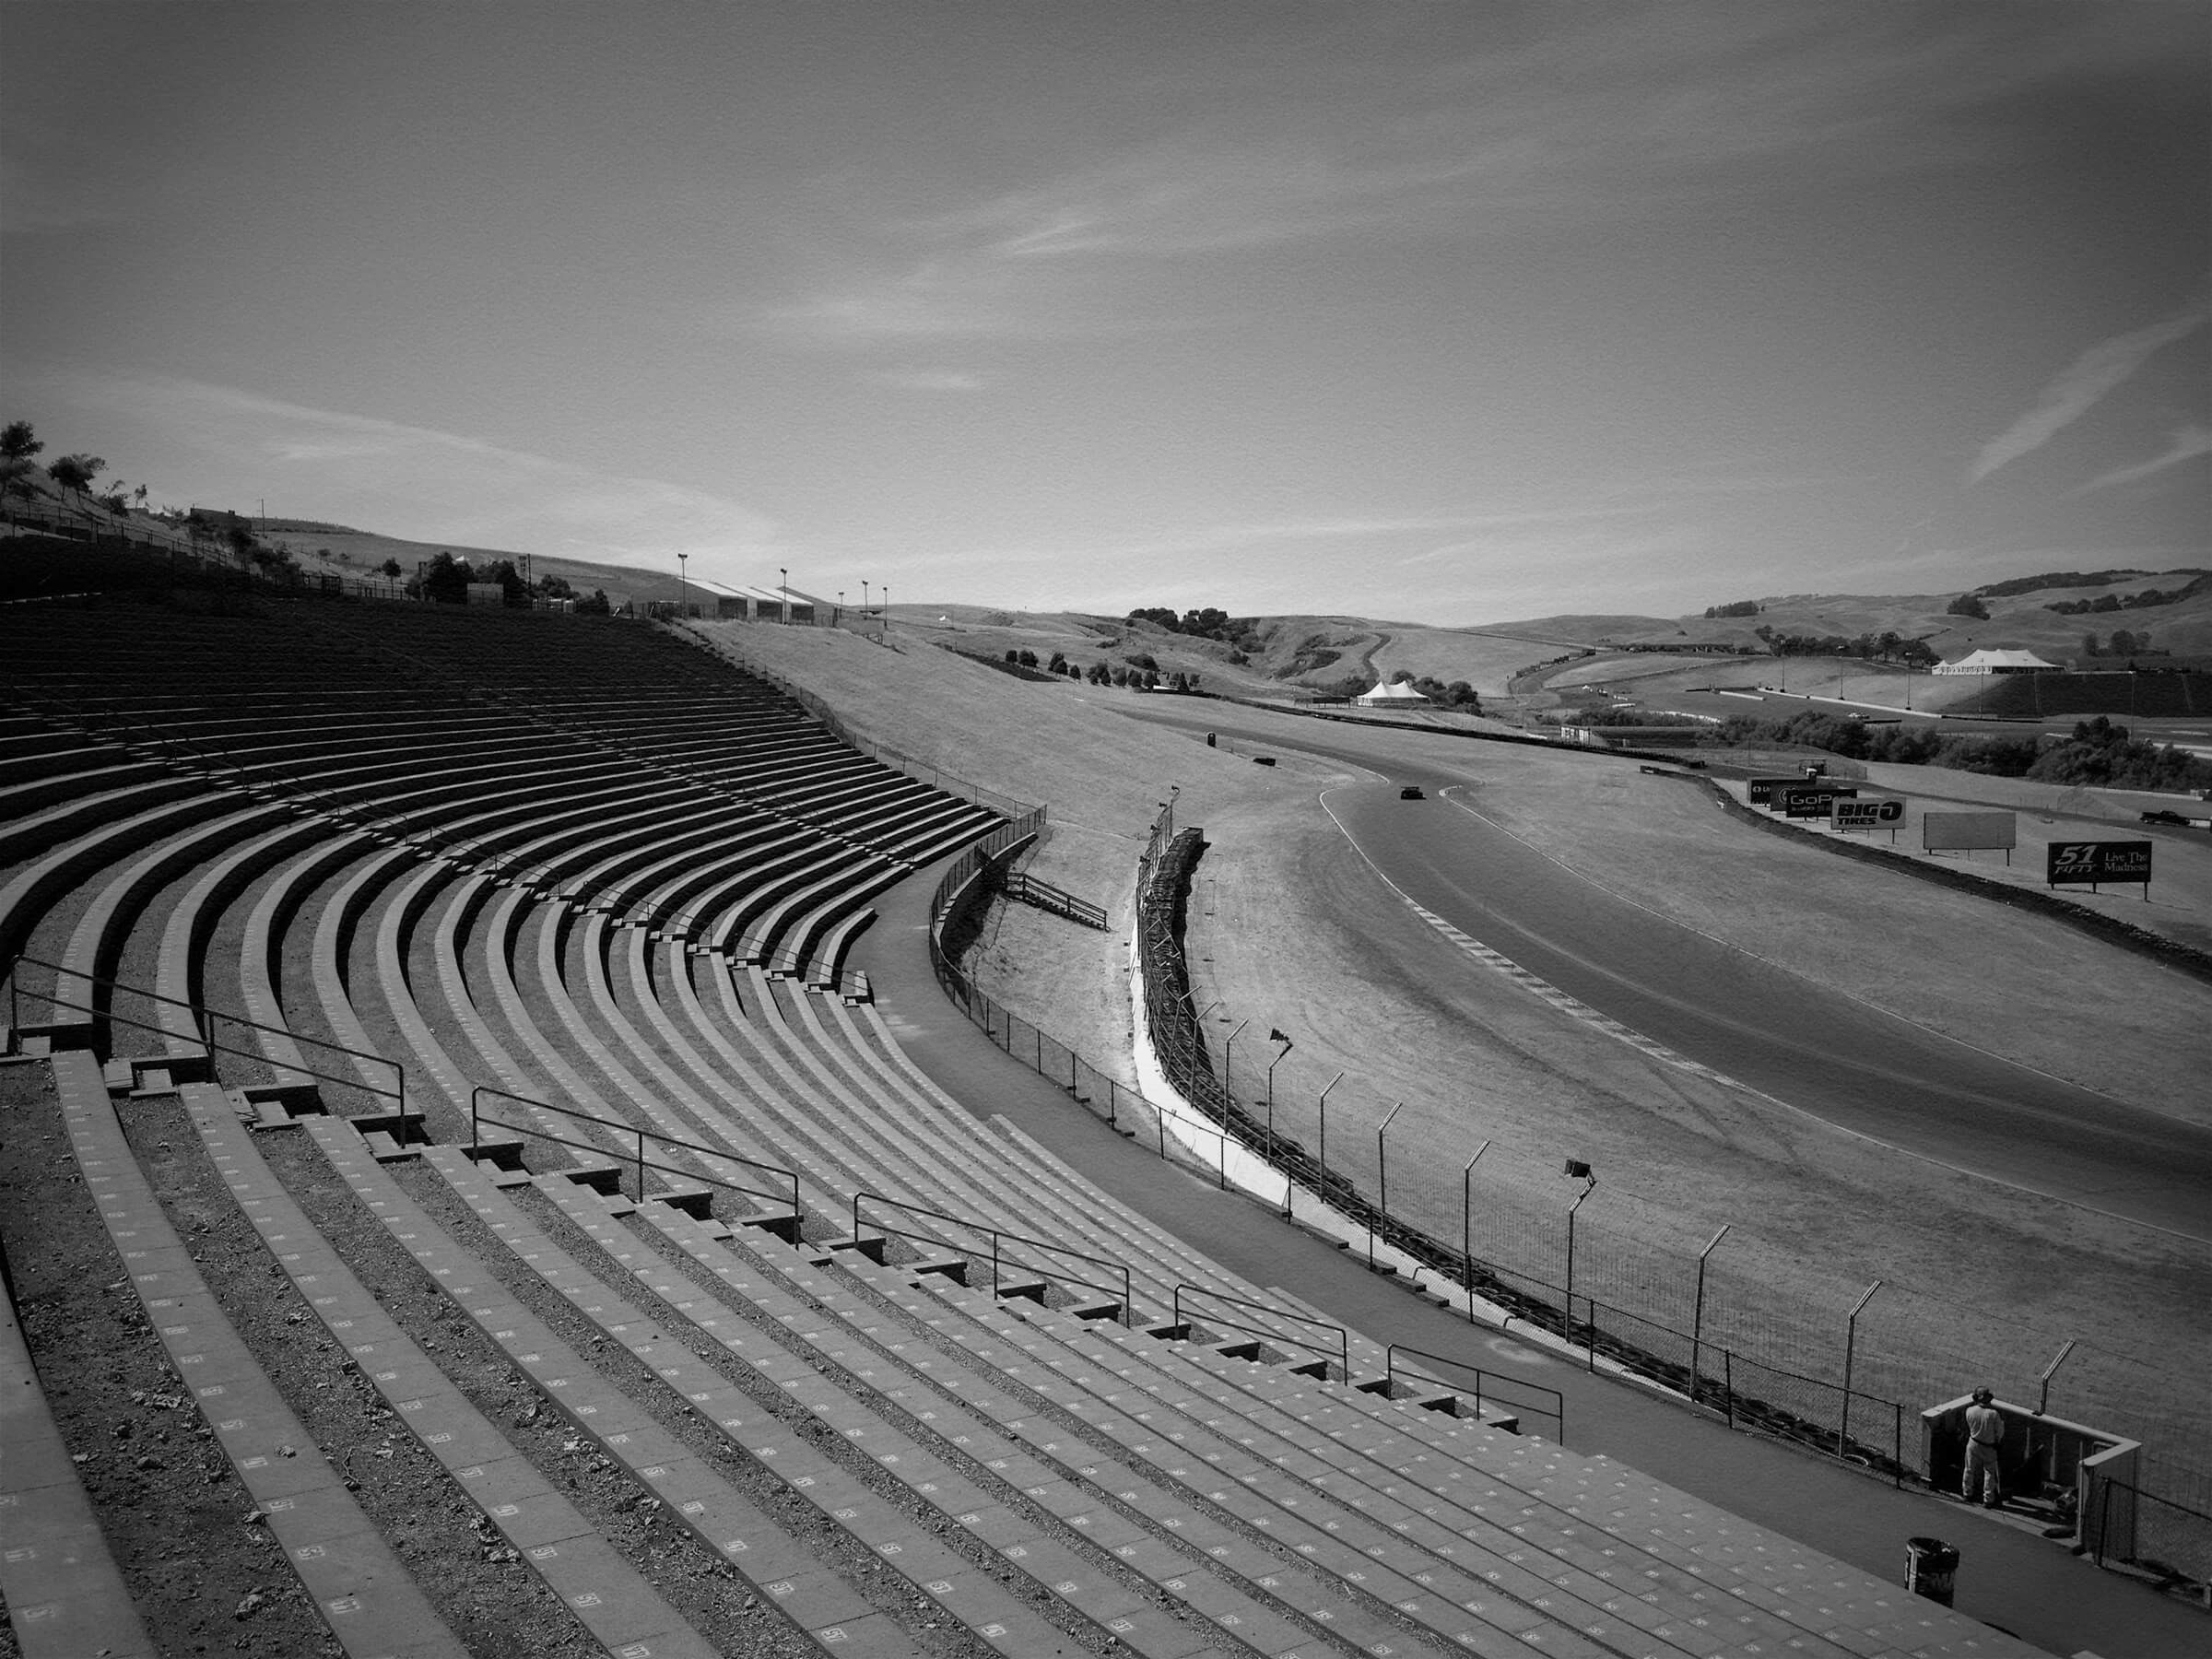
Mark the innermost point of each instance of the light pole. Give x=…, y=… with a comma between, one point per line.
x=1578, y=1171
x=1275, y=1036
x=841, y=606
x=1324, y=1121
x=863, y=595
x=1381, y=1182
x=682, y=603
x=784, y=589
x=886, y=604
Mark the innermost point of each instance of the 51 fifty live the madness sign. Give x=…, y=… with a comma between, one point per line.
x=2086, y=864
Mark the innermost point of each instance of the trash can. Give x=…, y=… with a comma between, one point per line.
x=1931, y=1567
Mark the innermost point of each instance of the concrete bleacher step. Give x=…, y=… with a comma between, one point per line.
x=1330, y=1428
x=935, y=1572
x=963, y=1419
x=354, y=1581
x=780, y=1567
x=65, y=1596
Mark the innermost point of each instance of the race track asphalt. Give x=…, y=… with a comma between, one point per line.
x=1788, y=1037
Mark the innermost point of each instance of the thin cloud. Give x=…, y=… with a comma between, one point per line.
x=2082, y=385
x=929, y=380
x=2187, y=442
x=1456, y=134
x=421, y=483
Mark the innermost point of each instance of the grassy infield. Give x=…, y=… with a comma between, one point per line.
x=1977, y=1281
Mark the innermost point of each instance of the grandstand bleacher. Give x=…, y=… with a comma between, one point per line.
x=524, y=937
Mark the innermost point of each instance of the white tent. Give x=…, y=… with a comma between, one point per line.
x=1400, y=696
x=1999, y=662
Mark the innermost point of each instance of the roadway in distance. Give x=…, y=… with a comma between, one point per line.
x=1783, y=1034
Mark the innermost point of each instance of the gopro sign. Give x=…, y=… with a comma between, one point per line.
x=2090, y=864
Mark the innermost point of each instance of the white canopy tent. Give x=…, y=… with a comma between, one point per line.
x=1400, y=696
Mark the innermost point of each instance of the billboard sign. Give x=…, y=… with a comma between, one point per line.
x=1869, y=814
x=1760, y=791
x=1810, y=800
x=2086, y=864
x=1956, y=831
x=1802, y=803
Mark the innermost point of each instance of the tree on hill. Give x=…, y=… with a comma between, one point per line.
x=1966, y=605
x=17, y=445
x=513, y=590
x=596, y=605
x=76, y=472
x=444, y=581
x=391, y=569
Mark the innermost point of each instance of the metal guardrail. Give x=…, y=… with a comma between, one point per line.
x=1555, y=1411
x=1268, y=1333
x=639, y=1162
x=205, y=1020
x=999, y=1238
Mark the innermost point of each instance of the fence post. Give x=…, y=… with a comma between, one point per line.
x=1324, y=1129
x=1381, y=1182
x=1467, y=1226
x=1850, y=1341
x=1697, y=1323
x=2043, y=1402
x=640, y=1166
x=1728, y=1383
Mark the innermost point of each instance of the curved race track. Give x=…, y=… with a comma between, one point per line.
x=1789, y=1037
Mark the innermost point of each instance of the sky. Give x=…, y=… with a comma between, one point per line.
x=1443, y=314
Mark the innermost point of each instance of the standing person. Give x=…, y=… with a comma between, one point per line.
x=1984, y=1431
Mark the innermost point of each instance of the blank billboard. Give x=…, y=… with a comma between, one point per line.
x=1958, y=831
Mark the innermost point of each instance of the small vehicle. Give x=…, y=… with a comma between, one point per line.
x=1411, y=792
x=2163, y=817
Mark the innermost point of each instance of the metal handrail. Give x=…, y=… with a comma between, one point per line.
x=999, y=1236
x=204, y=1021
x=1556, y=1411
x=1344, y=1341
x=476, y=1119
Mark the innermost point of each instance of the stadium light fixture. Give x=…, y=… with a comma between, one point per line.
x=1228, y=1061
x=682, y=604
x=1578, y=1171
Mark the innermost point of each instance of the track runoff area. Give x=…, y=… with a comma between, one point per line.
x=1790, y=1037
